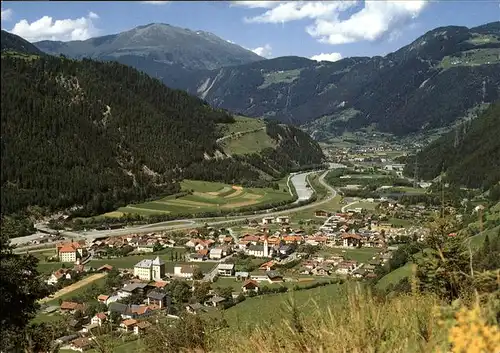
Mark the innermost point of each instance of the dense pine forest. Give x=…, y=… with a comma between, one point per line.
x=102, y=135
x=469, y=155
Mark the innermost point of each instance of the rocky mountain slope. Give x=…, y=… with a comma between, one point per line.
x=469, y=155
x=101, y=135
x=426, y=84
x=160, y=50
x=11, y=42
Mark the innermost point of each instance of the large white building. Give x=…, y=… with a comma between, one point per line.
x=70, y=252
x=149, y=270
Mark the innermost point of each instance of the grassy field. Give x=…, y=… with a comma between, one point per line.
x=76, y=292
x=287, y=76
x=362, y=254
x=394, y=277
x=241, y=124
x=397, y=222
x=273, y=308
x=208, y=197
x=333, y=205
x=472, y=57
x=249, y=136
x=247, y=143
x=477, y=240
x=117, y=346
x=364, y=205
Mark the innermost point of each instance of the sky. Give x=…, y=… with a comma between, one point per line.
x=321, y=30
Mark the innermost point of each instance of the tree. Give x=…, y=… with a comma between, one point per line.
x=115, y=317
x=136, y=298
x=94, y=308
x=113, y=279
x=185, y=335
x=201, y=290
x=157, y=246
x=21, y=288
x=78, y=315
x=444, y=269
x=180, y=291
x=197, y=273
x=224, y=292
x=488, y=257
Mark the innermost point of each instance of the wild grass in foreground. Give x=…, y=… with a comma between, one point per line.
x=359, y=322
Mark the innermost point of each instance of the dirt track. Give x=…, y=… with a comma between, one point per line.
x=74, y=286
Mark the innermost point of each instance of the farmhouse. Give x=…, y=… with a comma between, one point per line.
x=150, y=269
x=57, y=275
x=250, y=286
x=215, y=254
x=184, y=271
x=225, y=269
x=321, y=214
x=351, y=240
x=81, y=344
x=141, y=326
x=98, y=319
x=157, y=298
x=267, y=220
x=283, y=219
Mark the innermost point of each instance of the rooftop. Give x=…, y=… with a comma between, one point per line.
x=156, y=295
x=147, y=263
x=225, y=266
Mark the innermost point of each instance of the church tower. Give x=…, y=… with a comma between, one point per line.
x=266, y=247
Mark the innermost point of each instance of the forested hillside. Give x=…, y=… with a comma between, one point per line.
x=102, y=135
x=469, y=155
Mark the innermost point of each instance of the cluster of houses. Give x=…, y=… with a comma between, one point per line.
x=336, y=264
x=132, y=318
x=141, y=243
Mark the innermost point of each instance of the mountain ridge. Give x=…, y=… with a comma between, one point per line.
x=377, y=89
x=158, y=42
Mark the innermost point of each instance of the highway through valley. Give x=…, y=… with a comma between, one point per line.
x=298, y=180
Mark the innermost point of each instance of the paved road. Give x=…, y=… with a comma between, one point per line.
x=192, y=223
x=300, y=183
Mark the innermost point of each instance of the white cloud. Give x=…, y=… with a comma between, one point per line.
x=265, y=51
x=256, y=4
x=155, y=2
x=47, y=28
x=298, y=10
x=6, y=14
x=327, y=57
x=376, y=20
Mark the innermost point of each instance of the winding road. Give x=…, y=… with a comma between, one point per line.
x=299, y=180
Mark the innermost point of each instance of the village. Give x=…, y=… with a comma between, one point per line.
x=270, y=255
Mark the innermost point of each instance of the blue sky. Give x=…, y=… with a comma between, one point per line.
x=303, y=28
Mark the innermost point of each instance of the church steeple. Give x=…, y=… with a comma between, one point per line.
x=266, y=247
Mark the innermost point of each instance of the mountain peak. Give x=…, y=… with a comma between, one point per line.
x=154, y=44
